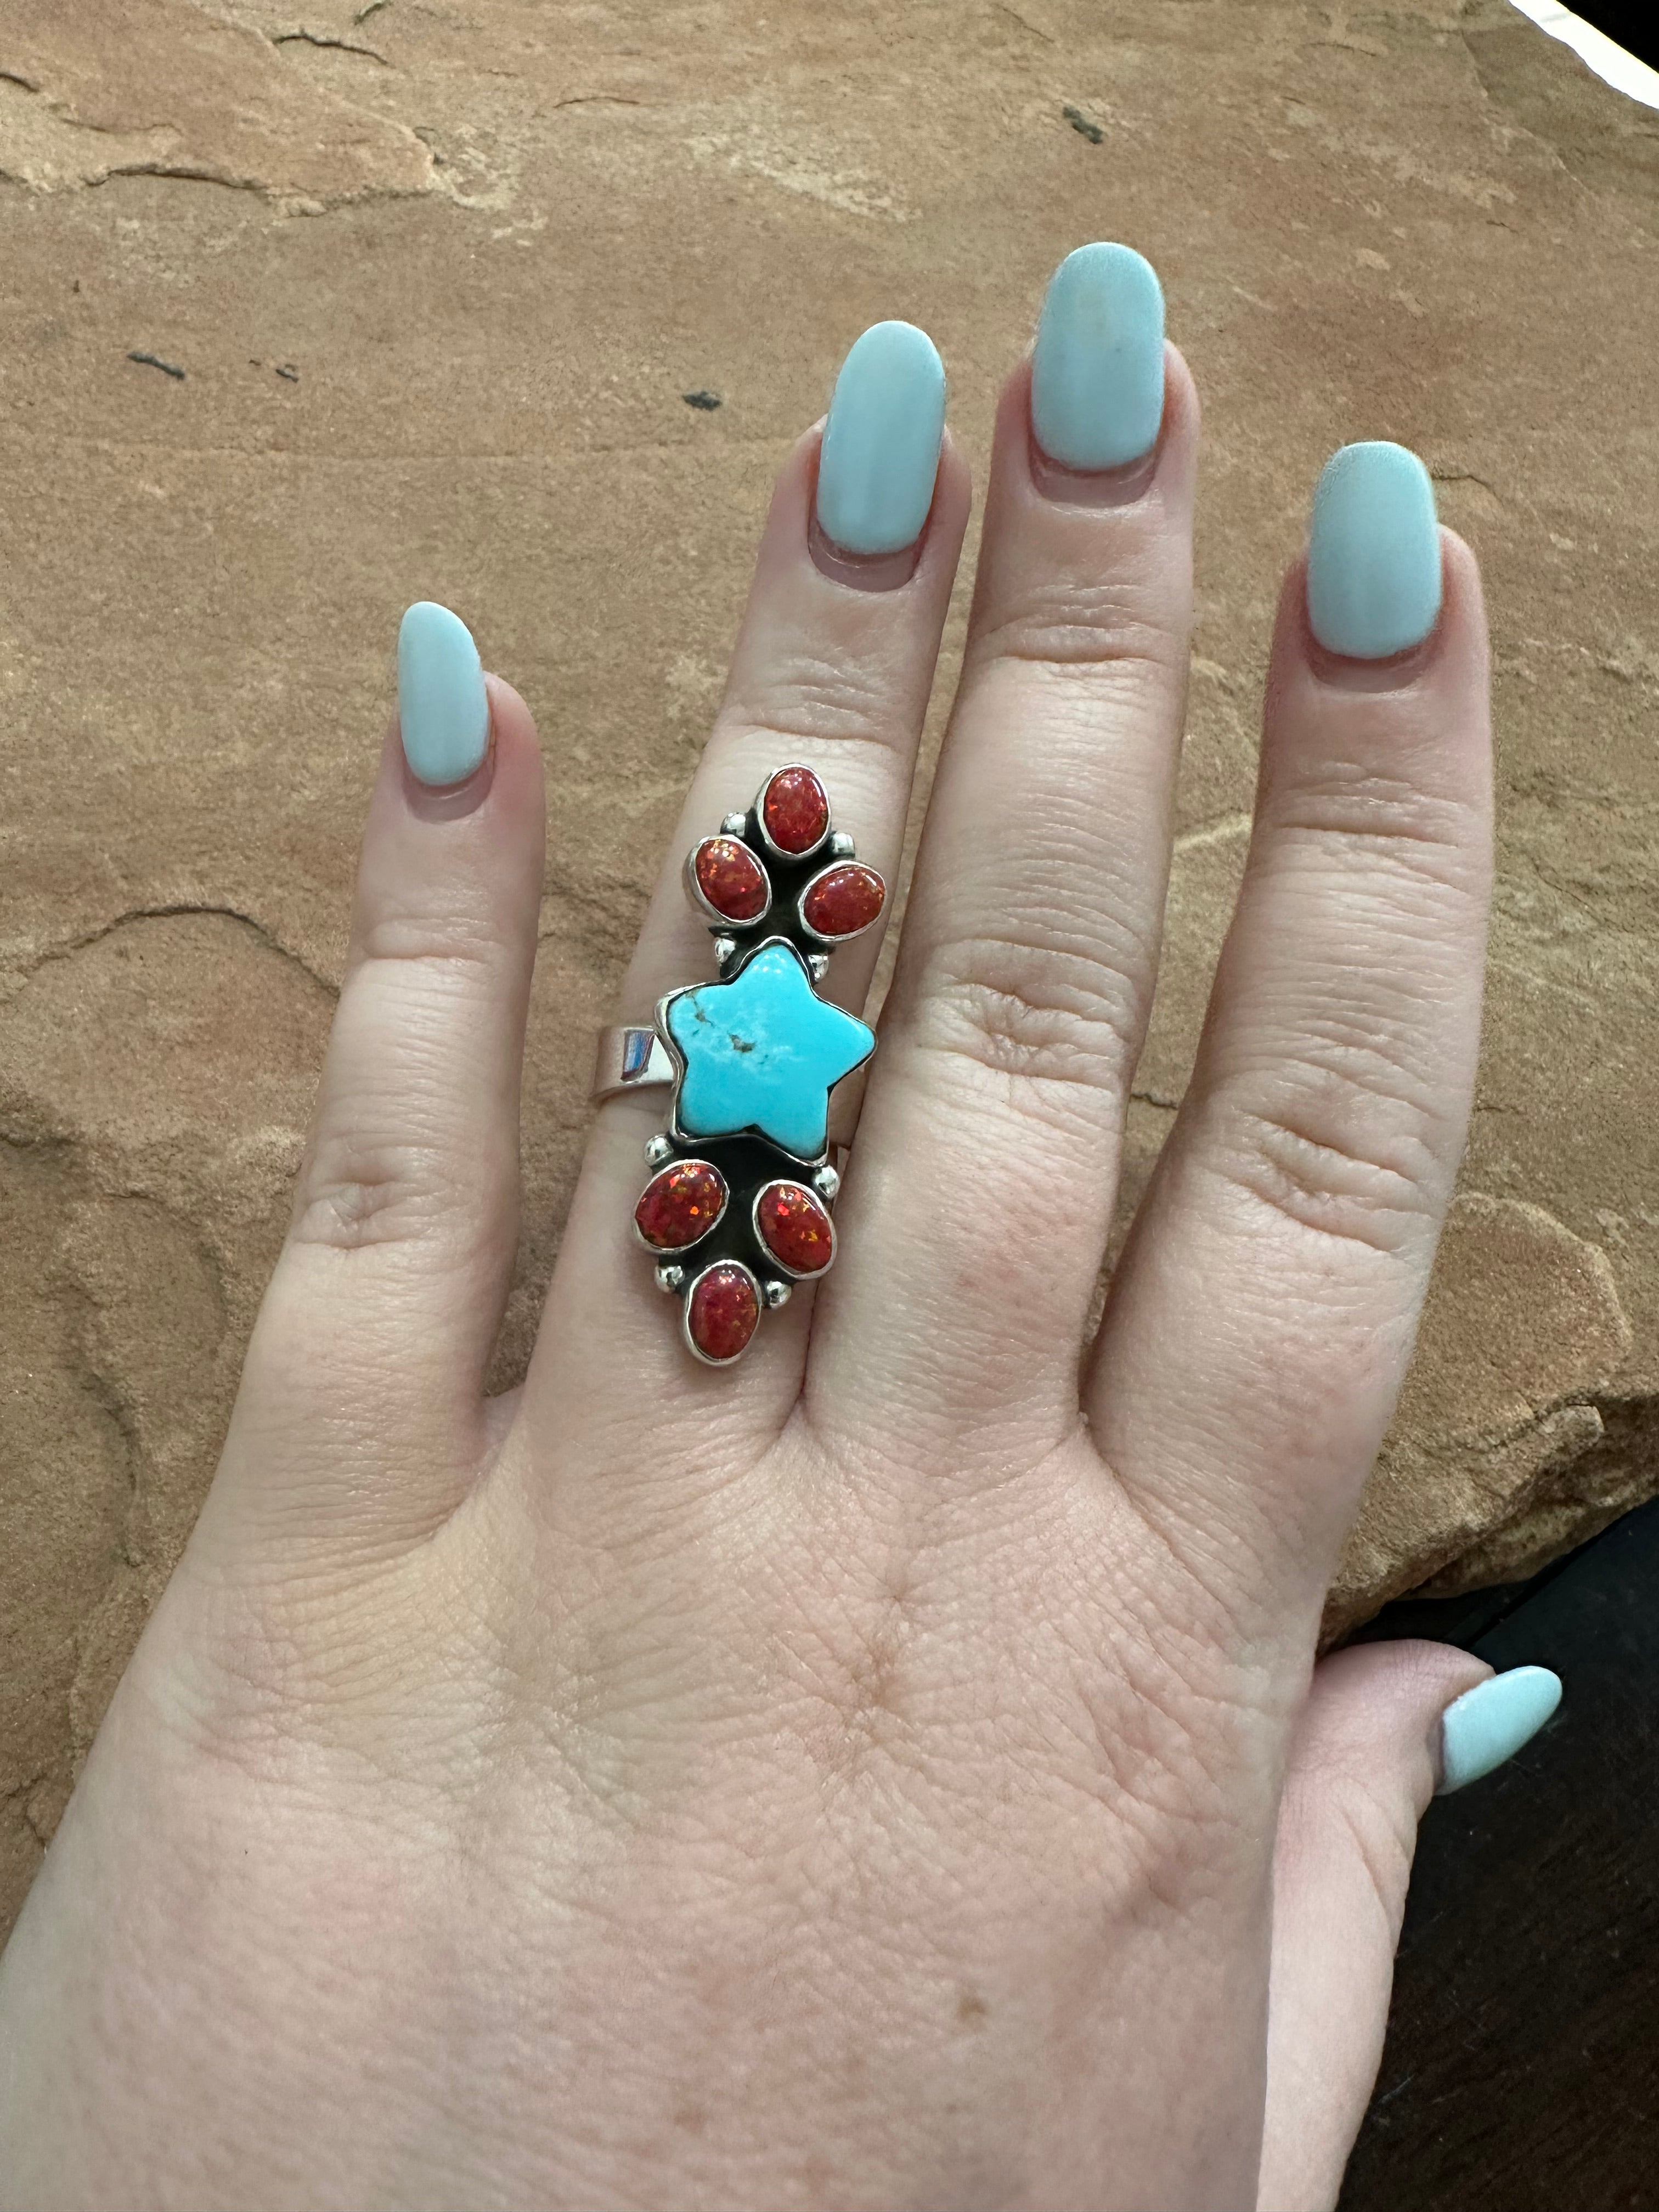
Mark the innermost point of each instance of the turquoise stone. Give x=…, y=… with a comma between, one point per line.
x=762, y=1052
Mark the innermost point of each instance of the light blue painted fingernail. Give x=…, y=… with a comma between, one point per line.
x=1489, y=1723
x=1097, y=372
x=1374, y=554
x=880, y=452
x=443, y=709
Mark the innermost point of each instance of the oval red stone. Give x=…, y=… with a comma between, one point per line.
x=795, y=810
x=680, y=1204
x=794, y=1226
x=722, y=1310
x=843, y=900
x=732, y=880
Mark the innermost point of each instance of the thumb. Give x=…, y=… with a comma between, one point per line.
x=1385, y=1726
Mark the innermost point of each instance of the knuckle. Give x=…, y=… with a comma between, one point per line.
x=357, y=1193
x=389, y=1160
x=1083, y=629
x=447, y=948
x=1338, y=1151
x=820, y=698
x=1390, y=824
x=360, y=1189
x=1040, y=1016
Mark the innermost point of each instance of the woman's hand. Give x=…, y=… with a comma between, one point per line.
x=859, y=1778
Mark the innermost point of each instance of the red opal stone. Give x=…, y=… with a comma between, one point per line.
x=795, y=810
x=722, y=1310
x=794, y=1227
x=731, y=878
x=843, y=900
x=680, y=1204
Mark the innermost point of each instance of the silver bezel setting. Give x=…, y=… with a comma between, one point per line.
x=811, y=883
x=670, y=1253
x=779, y=851
x=795, y=1274
x=695, y=1350
x=725, y=923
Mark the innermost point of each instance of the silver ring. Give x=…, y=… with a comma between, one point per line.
x=630, y=1059
x=762, y=1070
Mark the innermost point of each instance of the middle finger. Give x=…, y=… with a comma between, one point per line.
x=984, y=1175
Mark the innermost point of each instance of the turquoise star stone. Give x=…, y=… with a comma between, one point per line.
x=761, y=1053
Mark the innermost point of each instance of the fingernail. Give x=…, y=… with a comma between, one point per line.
x=880, y=451
x=1489, y=1723
x=1374, y=554
x=1097, y=371
x=443, y=710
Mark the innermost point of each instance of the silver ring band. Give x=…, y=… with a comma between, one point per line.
x=629, y=1058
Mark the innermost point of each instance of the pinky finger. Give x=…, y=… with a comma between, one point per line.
x=1263, y=1312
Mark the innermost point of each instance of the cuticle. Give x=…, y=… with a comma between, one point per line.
x=1094, y=488
x=863, y=572
x=451, y=802
x=1397, y=671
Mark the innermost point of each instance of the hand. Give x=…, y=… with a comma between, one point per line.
x=886, y=1772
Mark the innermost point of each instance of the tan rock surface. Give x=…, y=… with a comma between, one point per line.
x=438, y=278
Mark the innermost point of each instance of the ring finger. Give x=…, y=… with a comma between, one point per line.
x=833, y=668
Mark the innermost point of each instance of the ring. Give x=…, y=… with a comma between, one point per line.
x=737, y=1207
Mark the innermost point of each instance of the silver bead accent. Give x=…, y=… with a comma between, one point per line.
x=734, y=826
x=826, y=1182
x=776, y=1294
x=842, y=846
x=818, y=962
x=725, y=950
x=669, y=1277
x=658, y=1151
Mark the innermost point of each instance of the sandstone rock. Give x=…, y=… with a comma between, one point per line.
x=1522, y=1336
x=440, y=281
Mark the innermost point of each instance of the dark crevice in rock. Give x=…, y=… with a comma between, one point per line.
x=324, y=38
x=102, y=1388
x=178, y=172
x=172, y=910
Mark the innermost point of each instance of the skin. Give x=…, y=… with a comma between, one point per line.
x=894, y=1771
